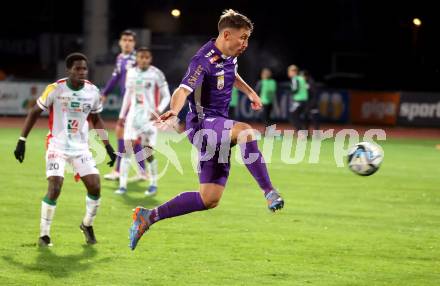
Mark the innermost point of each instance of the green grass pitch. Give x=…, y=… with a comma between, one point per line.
x=336, y=229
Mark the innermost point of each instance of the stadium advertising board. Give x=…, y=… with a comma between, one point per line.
x=379, y=108
x=17, y=97
x=419, y=109
x=333, y=105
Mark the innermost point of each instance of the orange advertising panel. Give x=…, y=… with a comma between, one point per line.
x=368, y=107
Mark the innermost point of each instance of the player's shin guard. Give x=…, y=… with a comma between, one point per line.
x=153, y=172
x=256, y=165
x=47, y=212
x=92, y=205
x=183, y=203
x=123, y=174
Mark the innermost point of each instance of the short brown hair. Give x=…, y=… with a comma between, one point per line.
x=128, y=33
x=233, y=19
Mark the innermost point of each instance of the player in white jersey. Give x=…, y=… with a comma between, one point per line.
x=125, y=60
x=138, y=114
x=70, y=102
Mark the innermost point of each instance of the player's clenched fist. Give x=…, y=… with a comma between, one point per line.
x=20, y=149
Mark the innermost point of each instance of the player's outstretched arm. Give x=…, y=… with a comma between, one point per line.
x=177, y=102
x=31, y=118
x=116, y=76
x=98, y=124
x=251, y=94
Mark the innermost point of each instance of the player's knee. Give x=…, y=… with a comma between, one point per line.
x=94, y=189
x=211, y=203
x=244, y=133
x=209, y=200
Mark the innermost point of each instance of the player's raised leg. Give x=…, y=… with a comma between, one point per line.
x=48, y=206
x=93, y=201
x=184, y=203
x=243, y=135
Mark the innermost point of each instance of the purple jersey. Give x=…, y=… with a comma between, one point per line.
x=123, y=63
x=210, y=78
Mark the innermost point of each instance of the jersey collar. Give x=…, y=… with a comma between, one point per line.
x=217, y=52
x=69, y=85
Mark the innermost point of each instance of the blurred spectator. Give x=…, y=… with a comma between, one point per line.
x=2, y=75
x=312, y=109
x=266, y=89
x=300, y=96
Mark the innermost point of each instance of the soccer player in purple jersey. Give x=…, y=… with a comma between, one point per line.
x=125, y=60
x=208, y=85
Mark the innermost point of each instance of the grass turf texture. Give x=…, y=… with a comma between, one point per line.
x=336, y=229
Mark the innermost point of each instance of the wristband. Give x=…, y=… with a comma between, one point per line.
x=22, y=138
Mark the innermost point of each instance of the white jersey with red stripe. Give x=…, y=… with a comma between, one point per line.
x=146, y=91
x=68, y=111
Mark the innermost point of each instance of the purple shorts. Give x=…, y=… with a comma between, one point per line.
x=211, y=136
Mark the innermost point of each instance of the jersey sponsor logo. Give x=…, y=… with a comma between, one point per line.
x=210, y=53
x=214, y=59
x=87, y=107
x=220, y=82
x=72, y=126
x=193, y=79
x=219, y=65
x=54, y=155
x=74, y=104
x=86, y=159
x=63, y=98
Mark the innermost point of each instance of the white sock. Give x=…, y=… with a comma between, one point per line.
x=153, y=172
x=123, y=171
x=91, y=210
x=47, y=213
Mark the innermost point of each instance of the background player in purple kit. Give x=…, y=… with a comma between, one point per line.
x=125, y=60
x=208, y=84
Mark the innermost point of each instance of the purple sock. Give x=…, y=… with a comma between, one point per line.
x=183, y=203
x=141, y=163
x=256, y=165
x=120, y=150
